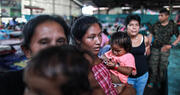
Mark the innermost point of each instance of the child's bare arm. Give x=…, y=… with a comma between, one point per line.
x=112, y=65
x=124, y=70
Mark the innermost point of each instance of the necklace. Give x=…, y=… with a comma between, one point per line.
x=135, y=40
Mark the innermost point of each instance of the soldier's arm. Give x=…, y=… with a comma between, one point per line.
x=176, y=41
x=177, y=33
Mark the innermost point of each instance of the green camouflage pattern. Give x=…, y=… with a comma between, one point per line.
x=158, y=63
x=162, y=34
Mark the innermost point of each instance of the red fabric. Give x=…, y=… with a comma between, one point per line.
x=102, y=75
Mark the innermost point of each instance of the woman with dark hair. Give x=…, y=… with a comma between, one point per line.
x=40, y=32
x=140, y=48
x=44, y=23
x=86, y=32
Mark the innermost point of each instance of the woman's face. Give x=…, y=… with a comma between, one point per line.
x=47, y=34
x=133, y=28
x=91, y=41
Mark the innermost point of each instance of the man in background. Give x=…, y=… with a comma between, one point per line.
x=162, y=31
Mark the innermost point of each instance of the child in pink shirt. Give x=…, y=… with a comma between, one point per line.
x=120, y=62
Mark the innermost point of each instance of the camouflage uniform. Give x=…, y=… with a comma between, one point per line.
x=159, y=60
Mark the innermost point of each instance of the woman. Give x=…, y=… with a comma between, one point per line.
x=40, y=32
x=86, y=32
x=140, y=48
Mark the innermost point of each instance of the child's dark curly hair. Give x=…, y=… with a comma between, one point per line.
x=122, y=39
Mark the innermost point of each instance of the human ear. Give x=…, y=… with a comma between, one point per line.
x=26, y=51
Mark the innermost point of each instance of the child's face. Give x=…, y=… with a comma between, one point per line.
x=117, y=50
x=37, y=85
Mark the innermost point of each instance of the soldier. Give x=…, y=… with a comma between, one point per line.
x=162, y=32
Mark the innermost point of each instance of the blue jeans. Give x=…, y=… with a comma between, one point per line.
x=139, y=83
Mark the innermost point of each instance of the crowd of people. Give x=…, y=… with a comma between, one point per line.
x=82, y=60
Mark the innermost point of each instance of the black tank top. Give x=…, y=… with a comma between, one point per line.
x=140, y=59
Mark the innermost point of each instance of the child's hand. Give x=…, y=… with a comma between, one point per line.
x=110, y=65
x=105, y=59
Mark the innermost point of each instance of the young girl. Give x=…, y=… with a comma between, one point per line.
x=120, y=62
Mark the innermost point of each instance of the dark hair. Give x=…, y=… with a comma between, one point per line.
x=165, y=11
x=81, y=25
x=66, y=60
x=131, y=17
x=122, y=39
x=105, y=32
x=30, y=27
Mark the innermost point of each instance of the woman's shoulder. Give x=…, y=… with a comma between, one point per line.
x=146, y=40
x=140, y=35
x=144, y=36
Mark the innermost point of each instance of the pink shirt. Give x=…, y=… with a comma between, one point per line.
x=124, y=60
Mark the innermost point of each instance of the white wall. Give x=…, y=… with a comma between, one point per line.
x=62, y=7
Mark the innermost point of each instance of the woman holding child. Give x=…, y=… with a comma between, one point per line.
x=86, y=33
